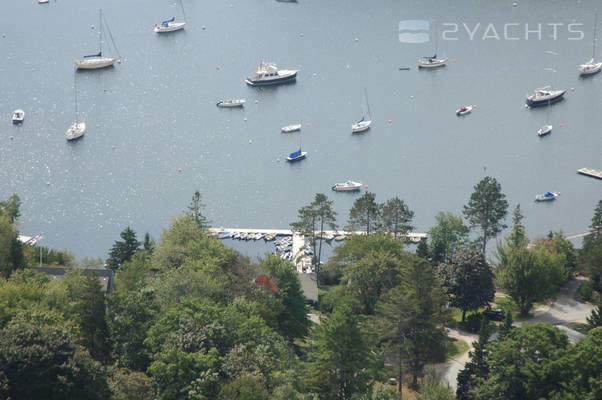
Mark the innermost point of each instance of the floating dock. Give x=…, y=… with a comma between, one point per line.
x=594, y=173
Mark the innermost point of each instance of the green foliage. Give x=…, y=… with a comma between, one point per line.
x=131, y=385
x=447, y=238
x=10, y=208
x=517, y=237
x=431, y=389
x=590, y=255
x=292, y=321
x=11, y=249
x=22, y=291
x=123, y=251
x=366, y=214
x=506, y=327
x=246, y=387
x=340, y=360
x=528, y=363
x=595, y=319
x=477, y=368
x=530, y=275
x=487, y=209
x=50, y=257
x=397, y=217
x=381, y=391
x=39, y=359
x=468, y=280
x=586, y=290
x=195, y=211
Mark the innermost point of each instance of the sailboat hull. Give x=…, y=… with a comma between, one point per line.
x=590, y=69
x=361, y=126
x=95, y=63
x=171, y=27
x=299, y=157
x=76, y=131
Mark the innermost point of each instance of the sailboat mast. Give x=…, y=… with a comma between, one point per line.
x=595, y=36
x=100, y=31
x=183, y=13
x=75, y=97
x=367, y=103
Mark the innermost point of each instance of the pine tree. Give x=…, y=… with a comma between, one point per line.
x=477, y=368
x=123, y=251
x=506, y=326
x=366, y=214
x=195, y=210
x=595, y=319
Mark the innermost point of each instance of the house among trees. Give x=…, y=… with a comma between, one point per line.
x=105, y=276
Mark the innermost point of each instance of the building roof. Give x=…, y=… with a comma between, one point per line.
x=105, y=276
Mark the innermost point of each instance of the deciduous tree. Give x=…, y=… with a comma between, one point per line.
x=447, y=237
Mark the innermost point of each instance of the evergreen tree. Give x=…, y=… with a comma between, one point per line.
x=422, y=250
x=506, y=327
x=366, y=214
x=123, y=251
x=487, y=209
x=195, y=210
x=517, y=237
x=595, y=319
x=149, y=243
x=397, y=217
x=477, y=369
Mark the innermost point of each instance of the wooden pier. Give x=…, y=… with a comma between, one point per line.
x=594, y=173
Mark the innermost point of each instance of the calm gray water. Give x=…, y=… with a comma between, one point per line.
x=155, y=113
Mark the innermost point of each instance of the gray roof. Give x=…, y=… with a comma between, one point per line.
x=105, y=276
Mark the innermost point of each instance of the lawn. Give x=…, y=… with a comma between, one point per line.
x=456, y=348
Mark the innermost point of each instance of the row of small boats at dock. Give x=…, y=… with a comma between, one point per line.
x=268, y=237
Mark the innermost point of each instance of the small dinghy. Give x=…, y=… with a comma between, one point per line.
x=291, y=128
x=547, y=196
x=464, y=110
x=231, y=103
x=348, y=186
x=544, y=130
x=18, y=116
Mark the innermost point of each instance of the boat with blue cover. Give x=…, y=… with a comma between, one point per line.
x=547, y=196
x=297, y=155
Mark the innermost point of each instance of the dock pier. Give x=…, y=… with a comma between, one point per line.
x=594, y=173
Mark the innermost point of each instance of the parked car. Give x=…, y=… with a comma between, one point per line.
x=494, y=315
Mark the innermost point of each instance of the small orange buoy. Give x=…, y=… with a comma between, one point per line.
x=217, y=68
x=179, y=169
x=454, y=60
x=366, y=186
x=560, y=125
x=307, y=124
x=390, y=121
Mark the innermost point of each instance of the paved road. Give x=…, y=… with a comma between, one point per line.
x=561, y=311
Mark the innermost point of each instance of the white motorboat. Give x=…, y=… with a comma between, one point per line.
x=43, y=1
x=269, y=74
x=231, y=103
x=18, y=116
x=291, y=128
x=97, y=61
x=348, y=186
x=544, y=130
x=169, y=26
x=547, y=196
x=78, y=129
x=431, y=62
x=464, y=110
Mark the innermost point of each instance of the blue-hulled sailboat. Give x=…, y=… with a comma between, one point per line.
x=297, y=155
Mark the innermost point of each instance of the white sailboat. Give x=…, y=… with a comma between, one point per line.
x=547, y=128
x=97, y=61
x=78, y=129
x=363, y=124
x=591, y=67
x=432, y=61
x=171, y=25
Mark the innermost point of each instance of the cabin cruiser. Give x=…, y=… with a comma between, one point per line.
x=348, y=186
x=269, y=74
x=18, y=116
x=544, y=130
x=291, y=128
x=545, y=96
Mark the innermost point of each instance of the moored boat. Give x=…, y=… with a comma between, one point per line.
x=464, y=110
x=297, y=155
x=348, y=186
x=231, y=103
x=361, y=126
x=18, y=116
x=169, y=26
x=547, y=196
x=544, y=130
x=269, y=74
x=545, y=96
x=97, y=61
x=291, y=128
x=431, y=62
